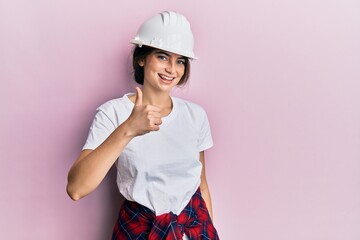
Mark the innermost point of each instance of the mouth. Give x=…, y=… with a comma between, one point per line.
x=165, y=78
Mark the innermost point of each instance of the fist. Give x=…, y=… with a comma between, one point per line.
x=143, y=118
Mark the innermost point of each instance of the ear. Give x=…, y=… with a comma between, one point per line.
x=141, y=62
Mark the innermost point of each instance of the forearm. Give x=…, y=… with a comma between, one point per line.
x=207, y=198
x=204, y=186
x=88, y=172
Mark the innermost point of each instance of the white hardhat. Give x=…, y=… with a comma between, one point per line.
x=169, y=31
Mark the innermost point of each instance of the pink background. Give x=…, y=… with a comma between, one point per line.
x=280, y=81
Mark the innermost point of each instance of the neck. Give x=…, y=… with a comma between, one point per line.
x=160, y=99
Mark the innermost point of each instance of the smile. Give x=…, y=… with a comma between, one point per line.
x=166, y=77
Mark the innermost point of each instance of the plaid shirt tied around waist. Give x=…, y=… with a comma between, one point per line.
x=139, y=222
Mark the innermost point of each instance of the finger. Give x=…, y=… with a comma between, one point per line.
x=154, y=122
x=152, y=108
x=155, y=128
x=157, y=121
x=154, y=114
x=138, y=100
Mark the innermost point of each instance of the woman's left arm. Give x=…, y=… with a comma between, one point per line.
x=204, y=186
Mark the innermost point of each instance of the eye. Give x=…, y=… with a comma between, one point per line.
x=162, y=57
x=181, y=61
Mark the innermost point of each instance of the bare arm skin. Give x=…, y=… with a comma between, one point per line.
x=91, y=166
x=204, y=186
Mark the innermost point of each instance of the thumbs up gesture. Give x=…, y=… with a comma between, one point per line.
x=143, y=118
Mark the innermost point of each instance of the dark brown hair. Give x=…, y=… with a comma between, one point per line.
x=140, y=53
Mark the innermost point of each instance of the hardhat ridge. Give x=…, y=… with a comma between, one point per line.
x=169, y=31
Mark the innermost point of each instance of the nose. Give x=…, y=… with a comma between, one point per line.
x=170, y=68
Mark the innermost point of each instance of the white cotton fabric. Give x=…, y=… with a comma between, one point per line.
x=160, y=170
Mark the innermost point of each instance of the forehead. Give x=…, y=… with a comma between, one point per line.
x=170, y=54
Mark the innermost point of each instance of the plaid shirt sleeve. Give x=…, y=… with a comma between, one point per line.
x=139, y=222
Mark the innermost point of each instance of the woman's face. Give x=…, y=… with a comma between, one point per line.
x=163, y=70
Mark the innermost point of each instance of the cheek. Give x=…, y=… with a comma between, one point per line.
x=158, y=67
x=181, y=71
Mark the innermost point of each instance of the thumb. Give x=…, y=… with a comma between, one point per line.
x=138, y=100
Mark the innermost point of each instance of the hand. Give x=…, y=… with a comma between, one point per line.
x=143, y=118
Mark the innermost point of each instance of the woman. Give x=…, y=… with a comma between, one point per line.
x=158, y=140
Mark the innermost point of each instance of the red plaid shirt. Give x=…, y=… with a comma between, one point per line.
x=139, y=222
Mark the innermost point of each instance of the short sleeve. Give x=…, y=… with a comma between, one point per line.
x=100, y=129
x=205, y=140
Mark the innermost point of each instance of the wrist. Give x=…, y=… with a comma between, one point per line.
x=126, y=130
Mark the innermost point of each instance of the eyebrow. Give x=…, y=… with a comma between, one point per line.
x=162, y=52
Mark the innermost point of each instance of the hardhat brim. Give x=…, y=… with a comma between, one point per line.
x=140, y=44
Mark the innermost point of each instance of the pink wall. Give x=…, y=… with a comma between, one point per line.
x=280, y=81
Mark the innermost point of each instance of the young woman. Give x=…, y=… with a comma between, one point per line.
x=157, y=140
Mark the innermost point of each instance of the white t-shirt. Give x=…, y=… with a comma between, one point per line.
x=160, y=170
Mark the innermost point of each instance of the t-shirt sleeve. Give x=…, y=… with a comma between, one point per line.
x=100, y=129
x=205, y=139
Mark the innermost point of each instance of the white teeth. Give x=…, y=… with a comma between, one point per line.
x=165, y=77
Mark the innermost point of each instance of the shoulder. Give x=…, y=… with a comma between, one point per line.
x=114, y=104
x=116, y=110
